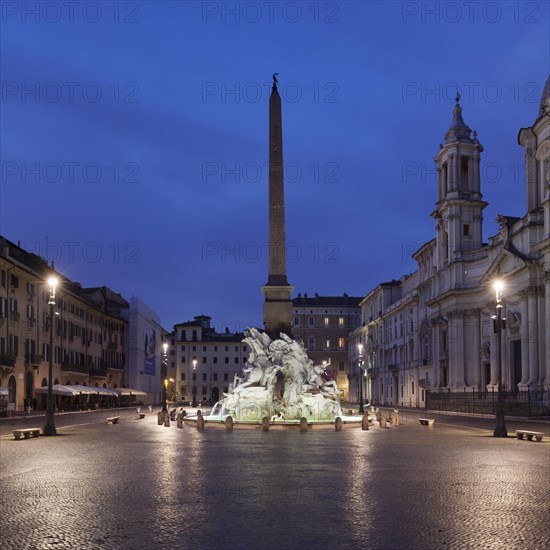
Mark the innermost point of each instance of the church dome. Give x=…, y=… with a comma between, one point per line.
x=545, y=97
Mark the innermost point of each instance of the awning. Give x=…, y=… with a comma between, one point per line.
x=59, y=389
x=72, y=391
x=92, y=390
x=128, y=391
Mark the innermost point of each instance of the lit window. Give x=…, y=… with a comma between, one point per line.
x=340, y=321
x=327, y=343
x=340, y=342
x=326, y=321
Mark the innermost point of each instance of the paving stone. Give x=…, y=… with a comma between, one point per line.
x=138, y=485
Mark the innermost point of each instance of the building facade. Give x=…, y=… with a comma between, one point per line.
x=323, y=323
x=89, y=341
x=435, y=329
x=144, y=368
x=203, y=362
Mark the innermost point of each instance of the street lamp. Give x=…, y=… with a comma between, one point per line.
x=49, y=425
x=165, y=361
x=498, y=322
x=194, y=402
x=360, y=364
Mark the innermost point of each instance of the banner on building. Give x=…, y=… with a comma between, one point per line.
x=149, y=349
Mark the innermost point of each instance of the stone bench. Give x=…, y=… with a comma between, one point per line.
x=113, y=420
x=537, y=435
x=426, y=421
x=27, y=432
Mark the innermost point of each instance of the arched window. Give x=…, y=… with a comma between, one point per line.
x=44, y=382
x=104, y=385
x=12, y=387
x=68, y=383
x=56, y=381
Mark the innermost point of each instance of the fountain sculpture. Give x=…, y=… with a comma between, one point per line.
x=281, y=383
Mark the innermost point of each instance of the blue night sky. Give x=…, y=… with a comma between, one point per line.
x=147, y=123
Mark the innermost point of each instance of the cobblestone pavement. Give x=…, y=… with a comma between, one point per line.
x=137, y=485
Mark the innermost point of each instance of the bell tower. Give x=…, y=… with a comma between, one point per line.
x=459, y=203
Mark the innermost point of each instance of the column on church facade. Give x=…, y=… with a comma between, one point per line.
x=546, y=366
x=456, y=350
x=533, y=338
x=436, y=374
x=524, y=342
x=473, y=349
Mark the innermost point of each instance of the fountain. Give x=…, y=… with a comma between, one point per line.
x=280, y=383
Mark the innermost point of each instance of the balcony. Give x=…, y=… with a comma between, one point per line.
x=79, y=369
x=98, y=373
x=111, y=366
x=33, y=359
x=7, y=360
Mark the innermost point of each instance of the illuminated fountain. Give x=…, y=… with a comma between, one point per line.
x=281, y=384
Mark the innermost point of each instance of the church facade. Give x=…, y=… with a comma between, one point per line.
x=434, y=330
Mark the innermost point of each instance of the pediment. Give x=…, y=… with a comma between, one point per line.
x=504, y=264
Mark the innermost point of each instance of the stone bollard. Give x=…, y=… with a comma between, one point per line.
x=179, y=421
x=395, y=417
x=265, y=424
x=382, y=420
x=150, y=408
x=160, y=419
x=167, y=420
x=229, y=424
x=378, y=414
x=365, y=422
x=200, y=421
x=338, y=424
x=303, y=424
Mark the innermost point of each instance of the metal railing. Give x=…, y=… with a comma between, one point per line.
x=529, y=403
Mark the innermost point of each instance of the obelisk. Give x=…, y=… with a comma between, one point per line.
x=277, y=291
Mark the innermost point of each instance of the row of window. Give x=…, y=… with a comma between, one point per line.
x=326, y=321
x=204, y=348
x=214, y=360
x=205, y=376
x=327, y=343
x=61, y=355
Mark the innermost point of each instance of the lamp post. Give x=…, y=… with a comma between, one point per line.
x=360, y=365
x=500, y=428
x=49, y=425
x=194, y=402
x=165, y=365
